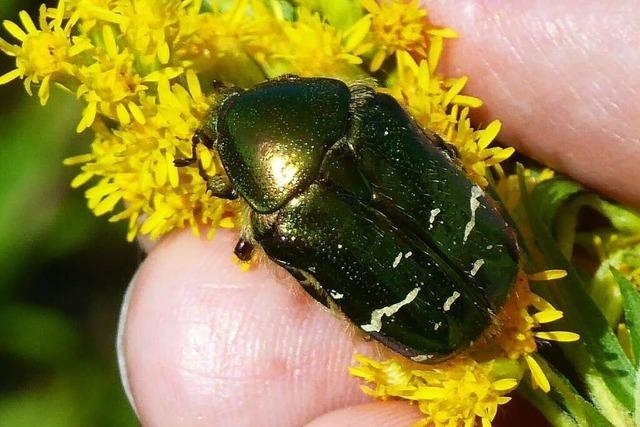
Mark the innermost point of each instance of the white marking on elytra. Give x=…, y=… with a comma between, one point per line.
x=437, y=326
x=432, y=218
x=474, y=203
x=408, y=254
x=397, y=260
x=386, y=133
x=339, y=246
x=449, y=302
x=335, y=294
x=489, y=247
x=421, y=357
x=476, y=266
x=376, y=315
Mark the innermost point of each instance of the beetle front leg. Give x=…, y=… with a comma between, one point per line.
x=198, y=138
x=218, y=186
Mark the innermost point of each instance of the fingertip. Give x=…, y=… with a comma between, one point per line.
x=561, y=81
x=380, y=414
x=120, y=345
x=205, y=343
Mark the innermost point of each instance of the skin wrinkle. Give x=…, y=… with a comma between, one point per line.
x=581, y=91
x=199, y=367
x=281, y=344
x=307, y=361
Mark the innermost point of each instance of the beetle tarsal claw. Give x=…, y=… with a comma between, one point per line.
x=198, y=138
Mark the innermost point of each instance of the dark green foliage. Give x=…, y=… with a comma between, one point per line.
x=59, y=291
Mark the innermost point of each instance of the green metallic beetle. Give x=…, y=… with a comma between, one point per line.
x=365, y=209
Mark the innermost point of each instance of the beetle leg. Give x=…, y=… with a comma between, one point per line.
x=219, y=186
x=198, y=138
x=244, y=250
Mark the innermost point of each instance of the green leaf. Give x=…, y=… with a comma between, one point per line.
x=33, y=181
x=636, y=412
x=549, y=195
x=552, y=411
x=598, y=357
x=559, y=200
x=631, y=303
x=563, y=405
x=52, y=406
x=36, y=334
x=84, y=394
x=606, y=292
x=341, y=14
x=7, y=7
x=623, y=219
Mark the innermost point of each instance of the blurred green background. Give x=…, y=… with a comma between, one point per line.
x=63, y=272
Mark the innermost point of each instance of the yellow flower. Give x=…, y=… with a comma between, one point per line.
x=92, y=12
x=158, y=196
x=400, y=26
x=309, y=46
x=46, y=52
x=452, y=394
x=229, y=46
x=142, y=118
x=436, y=103
x=470, y=387
x=148, y=27
x=109, y=86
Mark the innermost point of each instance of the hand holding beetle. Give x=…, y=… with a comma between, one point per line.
x=205, y=344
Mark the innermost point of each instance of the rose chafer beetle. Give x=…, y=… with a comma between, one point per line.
x=365, y=209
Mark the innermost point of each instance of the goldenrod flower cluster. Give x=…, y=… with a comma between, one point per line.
x=472, y=385
x=142, y=69
x=137, y=64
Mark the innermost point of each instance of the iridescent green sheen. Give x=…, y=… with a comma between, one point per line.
x=273, y=138
x=368, y=212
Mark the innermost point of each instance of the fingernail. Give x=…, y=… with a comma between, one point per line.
x=120, y=345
